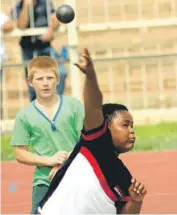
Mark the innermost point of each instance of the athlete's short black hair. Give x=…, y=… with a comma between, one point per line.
x=111, y=110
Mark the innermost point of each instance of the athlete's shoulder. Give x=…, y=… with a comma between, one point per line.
x=94, y=134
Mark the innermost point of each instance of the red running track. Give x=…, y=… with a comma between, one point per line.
x=157, y=170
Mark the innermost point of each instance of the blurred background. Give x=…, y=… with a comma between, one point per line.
x=134, y=46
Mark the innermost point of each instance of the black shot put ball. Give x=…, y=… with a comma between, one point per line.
x=65, y=14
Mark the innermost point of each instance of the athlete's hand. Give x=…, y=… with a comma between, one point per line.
x=57, y=159
x=137, y=191
x=86, y=64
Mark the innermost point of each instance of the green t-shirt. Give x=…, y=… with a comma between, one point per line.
x=47, y=137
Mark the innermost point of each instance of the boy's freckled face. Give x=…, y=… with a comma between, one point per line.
x=122, y=132
x=44, y=83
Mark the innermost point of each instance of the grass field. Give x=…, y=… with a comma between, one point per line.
x=149, y=138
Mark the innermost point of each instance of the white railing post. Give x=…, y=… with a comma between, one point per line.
x=73, y=54
x=175, y=69
x=156, y=9
x=139, y=5
x=173, y=9
x=122, y=9
x=111, y=82
x=161, y=78
x=4, y=95
x=127, y=81
x=106, y=11
x=20, y=88
x=144, y=81
x=89, y=11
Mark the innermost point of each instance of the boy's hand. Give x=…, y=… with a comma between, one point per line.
x=86, y=66
x=53, y=172
x=137, y=191
x=28, y=2
x=56, y=168
x=48, y=35
x=57, y=159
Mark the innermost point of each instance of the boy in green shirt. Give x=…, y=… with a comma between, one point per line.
x=51, y=124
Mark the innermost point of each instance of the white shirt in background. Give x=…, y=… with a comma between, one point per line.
x=3, y=19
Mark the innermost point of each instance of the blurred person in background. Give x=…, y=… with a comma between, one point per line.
x=35, y=14
x=6, y=25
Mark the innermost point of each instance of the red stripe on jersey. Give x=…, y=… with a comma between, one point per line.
x=121, y=194
x=86, y=153
x=96, y=134
x=126, y=198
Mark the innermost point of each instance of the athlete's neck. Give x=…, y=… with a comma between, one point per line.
x=48, y=102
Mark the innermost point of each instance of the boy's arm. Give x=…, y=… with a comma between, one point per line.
x=54, y=23
x=53, y=26
x=49, y=33
x=23, y=14
x=7, y=26
x=25, y=157
x=92, y=94
x=21, y=141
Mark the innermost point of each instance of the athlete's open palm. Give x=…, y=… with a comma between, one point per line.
x=86, y=66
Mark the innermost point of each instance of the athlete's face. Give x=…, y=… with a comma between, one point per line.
x=122, y=131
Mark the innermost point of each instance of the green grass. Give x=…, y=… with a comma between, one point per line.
x=6, y=150
x=149, y=138
x=156, y=137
